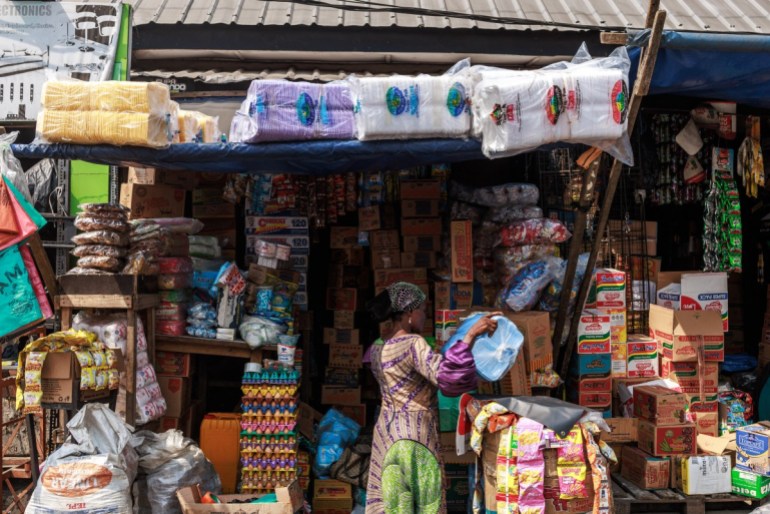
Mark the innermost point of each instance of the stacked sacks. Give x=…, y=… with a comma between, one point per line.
x=113, y=112
x=279, y=110
x=101, y=248
x=144, y=248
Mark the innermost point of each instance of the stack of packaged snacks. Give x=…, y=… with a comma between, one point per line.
x=174, y=281
x=101, y=247
x=145, y=247
x=268, y=436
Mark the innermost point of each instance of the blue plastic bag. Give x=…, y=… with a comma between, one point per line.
x=335, y=433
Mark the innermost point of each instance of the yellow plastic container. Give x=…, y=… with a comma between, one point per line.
x=220, y=440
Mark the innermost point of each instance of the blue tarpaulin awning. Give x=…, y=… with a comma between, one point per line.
x=709, y=66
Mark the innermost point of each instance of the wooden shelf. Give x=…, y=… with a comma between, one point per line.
x=202, y=346
x=92, y=301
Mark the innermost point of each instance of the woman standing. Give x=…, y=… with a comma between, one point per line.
x=406, y=472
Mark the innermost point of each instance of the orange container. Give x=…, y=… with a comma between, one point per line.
x=220, y=439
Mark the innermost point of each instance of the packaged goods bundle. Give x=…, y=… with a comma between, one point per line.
x=408, y=107
x=500, y=196
x=279, y=110
x=102, y=246
x=112, y=330
x=583, y=103
x=145, y=247
x=113, y=112
x=196, y=127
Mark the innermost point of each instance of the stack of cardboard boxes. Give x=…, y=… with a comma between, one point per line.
x=155, y=193
x=751, y=475
x=590, y=380
x=217, y=216
x=175, y=376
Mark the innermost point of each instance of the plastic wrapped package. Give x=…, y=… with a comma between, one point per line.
x=171, y=311
x=535, y=231
x=523, y=292
x=502, y=195
x=172, y=265
x=113, y=96
x=258, y=331
x=180, y=225
x=279, y=110
x=484, y=239
x=77, y=270
x=583, y=103
x=101, y=237
x=404, y=107
x=207, y=128
x=171, y=328
x=205, y=264
x=188, y=126
x=507, y=259
x=141, y=263
x=171, y=461
x=466, y=211
x=104, y=263
x=104, y=209
x=173, y=121
x=10, y=167
x=175, y=296
x=200, y=331
x=92, y=222
x=495, y=354
x=94, y=468
x=335, y=433
x=552, y=294
x=103, y=250
x=509, y=213
x=103, y=127
x=175, y=281
x=173, y=244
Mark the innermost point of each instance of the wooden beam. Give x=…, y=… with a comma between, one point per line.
x=641, y=88
x=613, y=38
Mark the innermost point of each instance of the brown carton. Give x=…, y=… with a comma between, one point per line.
x=418, y=260
x=659, y=405
x=345, y=320
x=343, y=237
x=336, y=395
x=461, y=237
x=346, y=356
x=384, y=240
x=342, y=336
x=423, y=189
x=419, y=209
x=682, y=333
x=422, y=244
x=160, y=177
x=421, y=226
x=153, y=201
x=644, y=470
x=623, y=430
x=369, y=218
x=666, y=440
x=289, y=500
x=177, y=393
x=536, y=328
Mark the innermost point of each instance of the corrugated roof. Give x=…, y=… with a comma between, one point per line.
x=739, y=16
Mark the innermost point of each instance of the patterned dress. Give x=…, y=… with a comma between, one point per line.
x=406, y=472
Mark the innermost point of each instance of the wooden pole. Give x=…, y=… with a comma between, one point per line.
x=641, y=88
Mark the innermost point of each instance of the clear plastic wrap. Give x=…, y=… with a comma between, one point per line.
x=141, y=263
x=173, y=244
x=552, y=295
x=279, y=110
x=173, y=121
x=171, y=265
x=466, y=211
x=180, y=225
x=101, y=237
x=509, y=258
x=172, y=462
x=258, y=331
x=177, y=281
x=77, y=270
x=583, y=103
x=509, y=213
x=10, y=167
x=104, y=250
x=502, y=195
x=409, y=107
x=92, y=223
x=103, y=127
x=484, y=239
x=112, y=210
x=535, y=231
x=112, y=96
x=100, y=262
x=495, y=354
x=171, y=311
x=524, y=290
x=188, y=126
x=205, y=251
x=196, y=127
x=171, y=328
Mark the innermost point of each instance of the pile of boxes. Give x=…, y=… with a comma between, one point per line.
x=590, y=374
x=175, y=373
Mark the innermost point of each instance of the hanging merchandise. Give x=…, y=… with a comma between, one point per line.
x=19, y=305
x=722, y=230
x=751, y=165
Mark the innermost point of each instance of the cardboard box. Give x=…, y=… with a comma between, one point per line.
x=461, y=239
x=449, y=296
x=348, y=356
x=750, y=485
x=623, y=430
x=332, y=497
x=445, y=324
x=610, y=289
x=344, y=320
x=753, y=443
x=342, y=336
x=423, y=189
x=345, y=299
x=386, y=258
x=642, y=357
x=414, y=244
x=593, y=336
x=619, y=360
x=682, y=333
x=355, y=412
x=706, y=423
x=153, y=201
x=706, y=475
x=298, y=245
x=689, y=375
x=421, y=227
x=536, y=328
x=670, y=296
x=177, y=393
x=369, y=218
x=659, y=405
x=290, y=500
x=343, y=237
x=173, y=364
x=159, y=177
x=706, y=292
x=456, y=477
x=593, y=365
x=348, y=256
x=419, y=208
x=418, y=260
x=598, y=388
x=385, y=240
x=277, y=225
x=60, y=381
x=666, y=440
x=335, y=395
x=644, y=470
x=220, y=210
x=385, y=277
x=618, y=325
